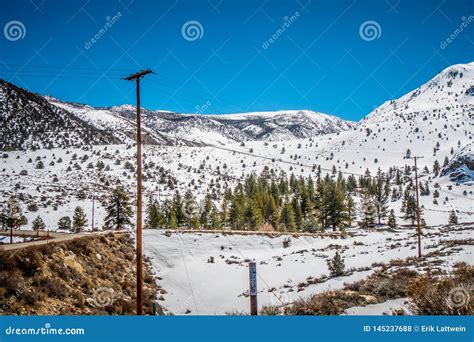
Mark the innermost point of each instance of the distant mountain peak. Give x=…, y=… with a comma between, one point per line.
x=453, y=86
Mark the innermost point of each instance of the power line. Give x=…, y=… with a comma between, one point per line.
x=61, y=67
x=282, y=161
x=187, y=273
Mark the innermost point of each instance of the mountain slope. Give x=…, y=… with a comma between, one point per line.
x=451, y=89
x=434, y=121
x=30, y=121
x=121, y=126
x=259, y=126
x=460, y=168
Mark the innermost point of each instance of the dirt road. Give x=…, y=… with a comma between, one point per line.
x=51, y=237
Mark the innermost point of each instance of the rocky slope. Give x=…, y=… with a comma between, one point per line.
x=85, y=276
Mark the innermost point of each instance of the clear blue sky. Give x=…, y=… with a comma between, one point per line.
x=319, y=61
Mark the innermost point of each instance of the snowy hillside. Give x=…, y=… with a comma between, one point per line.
x=29, y=121
x=451, y=88
x=121, y=126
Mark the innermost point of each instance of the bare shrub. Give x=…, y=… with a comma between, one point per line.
x=452, y=295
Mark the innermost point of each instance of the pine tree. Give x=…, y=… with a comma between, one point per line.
x=336, y=265
x=14, y=214
x=297, y=212
x=392, y=220
x=331, y=204
x=237, y=209
x=38, y=224
x=335, y=206
x=183, y=210
x=453, y=218
x=436, y=168
x=225, y=207
x=154, y=216
x=367, y=210
x=271, y=214
x=380, y=198
x=205, y=217
x=409, y=206
x=172, y=221
x=64, y=223
x=394, y=196
x=119, y=210
x=446, y=161
x=287, y=217
x=216, y=219
x=3, y=218
x=254, y=215
x=310, y=225
x=350, y=210
x=79, y=220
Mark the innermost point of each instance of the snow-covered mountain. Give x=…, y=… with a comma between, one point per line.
x=434, y=121
x=229, y=128
x=451, y=89
x=30, y=121
x=117, y=123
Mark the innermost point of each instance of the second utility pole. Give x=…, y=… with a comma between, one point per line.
x=137, y=77
x=417, y=208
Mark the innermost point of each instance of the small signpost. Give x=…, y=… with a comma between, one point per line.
x=253, y=288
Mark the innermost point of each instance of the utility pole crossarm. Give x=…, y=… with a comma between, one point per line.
x=137, y=75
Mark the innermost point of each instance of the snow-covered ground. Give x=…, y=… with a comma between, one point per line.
x=197, y=286
x=385, y=308
x=15, y=239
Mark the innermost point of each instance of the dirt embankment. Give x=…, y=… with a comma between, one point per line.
x=90, y=275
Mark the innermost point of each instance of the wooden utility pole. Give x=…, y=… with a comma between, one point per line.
x=418, y=219
x=253, y=288
x=136, y=77
x=93, y=211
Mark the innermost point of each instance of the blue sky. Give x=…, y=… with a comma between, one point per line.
x=319, y=60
